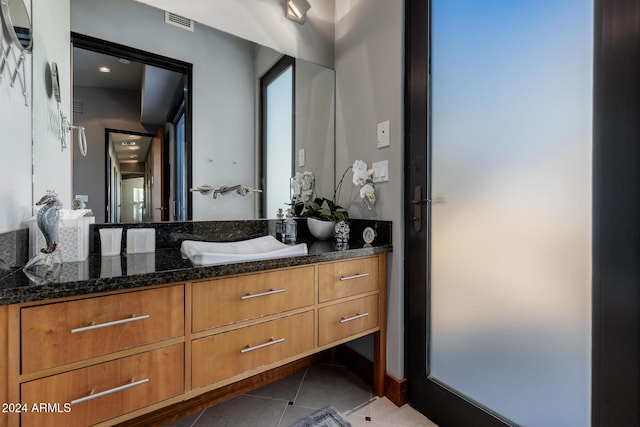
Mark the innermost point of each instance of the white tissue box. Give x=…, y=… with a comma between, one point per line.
x=141, y=240
x=73, y=238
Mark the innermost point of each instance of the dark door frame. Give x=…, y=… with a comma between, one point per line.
x=438, y=403
x=121, y=51
x=615, y=386
x=107, y=193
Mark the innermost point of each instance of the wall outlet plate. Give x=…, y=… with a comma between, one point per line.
x=301, y=157
x=380, y=171
x=383, y=134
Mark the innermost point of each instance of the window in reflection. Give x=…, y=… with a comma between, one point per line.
x=277, y=135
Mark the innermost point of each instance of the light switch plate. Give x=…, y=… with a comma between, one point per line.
x=301, y=157
x=383, y=134
x=380, y=171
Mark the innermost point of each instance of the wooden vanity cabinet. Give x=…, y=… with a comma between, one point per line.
x=104, y=359
x=66, y=332
x=126, y=384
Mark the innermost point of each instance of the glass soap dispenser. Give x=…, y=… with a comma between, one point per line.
x=290, y=228
x=279, y=224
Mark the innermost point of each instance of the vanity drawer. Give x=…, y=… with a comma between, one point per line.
x=345, y=319
x=228, y=354
x=100, y=392
x=226, y=301
x=346, y=278
x=61, y=333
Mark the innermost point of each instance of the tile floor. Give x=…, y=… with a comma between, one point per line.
x=282, y=403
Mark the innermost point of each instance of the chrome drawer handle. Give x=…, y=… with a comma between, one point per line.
x=133, y=318
x=267, y=344
x=92, y=395
x=357, y=316
x=262, y=294
x=355, y=276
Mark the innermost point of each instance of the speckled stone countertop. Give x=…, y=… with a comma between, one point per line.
x=103, y=274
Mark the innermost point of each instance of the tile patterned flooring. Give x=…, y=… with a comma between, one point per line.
x=282, y=403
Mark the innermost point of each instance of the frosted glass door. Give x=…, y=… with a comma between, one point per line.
x=511, y=206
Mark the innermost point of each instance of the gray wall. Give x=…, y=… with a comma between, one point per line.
x=264, y=22
x=114, y=109
x=315, y=123
x=369, y=83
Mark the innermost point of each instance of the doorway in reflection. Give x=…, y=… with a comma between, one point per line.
x=137, y=103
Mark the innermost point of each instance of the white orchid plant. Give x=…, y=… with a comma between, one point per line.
x=306, y=205
x=363, y=177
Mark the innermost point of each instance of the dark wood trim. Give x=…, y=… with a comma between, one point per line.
x=394, y=389
x=615, y=363
x=203, y=401
x=121, y=51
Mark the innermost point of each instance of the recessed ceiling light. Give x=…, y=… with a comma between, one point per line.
x=124, y=61
x=127, y=143
x=104, y=69
x=133, y=148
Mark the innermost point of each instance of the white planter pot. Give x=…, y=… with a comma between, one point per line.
x=321, y=230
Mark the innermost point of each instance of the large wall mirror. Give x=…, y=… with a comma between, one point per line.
x=224, y=126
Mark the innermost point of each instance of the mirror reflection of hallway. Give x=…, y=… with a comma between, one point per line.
x=117, y=90
x=136, y=180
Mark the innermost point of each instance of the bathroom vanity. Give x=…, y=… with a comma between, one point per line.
x=106, y=350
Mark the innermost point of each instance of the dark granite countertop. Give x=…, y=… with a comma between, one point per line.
x=97, y=274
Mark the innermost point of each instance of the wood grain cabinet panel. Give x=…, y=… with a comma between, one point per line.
x=89, y=395
x=61, y=333
x=227, y=301
x=222, y=356
x=342, y=320
x=345, y=278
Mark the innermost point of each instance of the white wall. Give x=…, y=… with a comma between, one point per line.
x=51, y=164
x=369, y=87
x=15, y=146
x=264, y=22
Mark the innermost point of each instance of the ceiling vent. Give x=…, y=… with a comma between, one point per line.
x=78, y=106
x=179, y=21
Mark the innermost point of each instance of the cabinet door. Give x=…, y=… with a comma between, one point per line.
x=343, y=320
x=346, y=278
x=226, y=355
x=61, y=333
x=226, y=301
x=89, y=395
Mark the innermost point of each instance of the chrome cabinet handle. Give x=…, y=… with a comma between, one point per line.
x=267, y=344
x=357, y=316
x=93, y=395
x=133, y=318
x=262, y=294
x=355, y=276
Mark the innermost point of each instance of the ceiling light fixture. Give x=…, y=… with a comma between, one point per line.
x=124, y=61
x=296, y=10
x=104, y=69
x=127, y=143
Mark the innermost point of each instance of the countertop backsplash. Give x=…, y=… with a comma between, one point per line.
x=166, y=265
x=170, y=235
x=14, y=247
